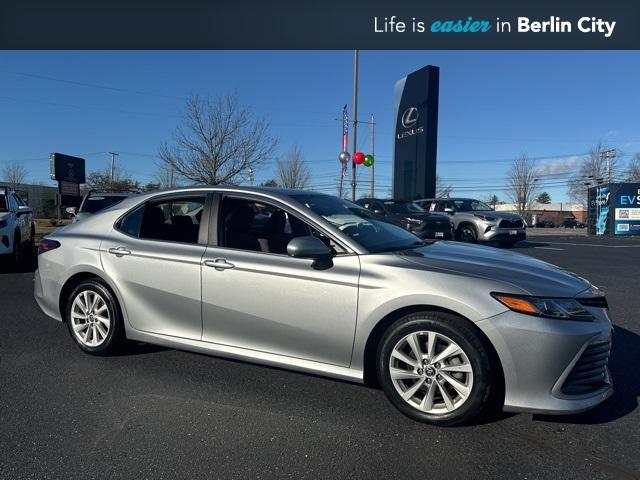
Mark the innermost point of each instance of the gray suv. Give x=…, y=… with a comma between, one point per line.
x=475, y=221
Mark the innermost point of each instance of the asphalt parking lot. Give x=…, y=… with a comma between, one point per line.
x=161, y=413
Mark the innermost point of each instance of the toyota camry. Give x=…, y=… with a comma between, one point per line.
x=309, y=282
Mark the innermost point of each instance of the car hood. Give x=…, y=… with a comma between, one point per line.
x=528, y=274
x=497, y=214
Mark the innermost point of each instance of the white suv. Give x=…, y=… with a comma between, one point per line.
x=16, y=225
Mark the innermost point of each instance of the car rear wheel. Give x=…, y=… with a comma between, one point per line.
x=467, y=234
x=435, y=369
x=93, y=318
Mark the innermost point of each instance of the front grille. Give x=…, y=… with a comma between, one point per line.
x=590, y=371
x=511, y=224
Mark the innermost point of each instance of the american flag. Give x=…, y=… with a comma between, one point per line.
x=345, y=136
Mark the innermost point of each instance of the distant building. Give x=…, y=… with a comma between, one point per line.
x=553, y=212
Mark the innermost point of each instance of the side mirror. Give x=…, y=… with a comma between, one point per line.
x=307, y=247
x=73, y=211
x=23, y=210
x=450, y=211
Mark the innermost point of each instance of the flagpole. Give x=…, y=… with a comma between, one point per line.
x=355, y=124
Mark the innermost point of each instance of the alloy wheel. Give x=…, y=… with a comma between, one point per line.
x=431, y=372
x=467, y=235
x=90, y=318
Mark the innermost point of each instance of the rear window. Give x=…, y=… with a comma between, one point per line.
x=96, y=203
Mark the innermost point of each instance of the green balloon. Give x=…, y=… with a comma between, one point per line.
x=368, y=160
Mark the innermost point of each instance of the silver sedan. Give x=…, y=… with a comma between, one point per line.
x=316, y=284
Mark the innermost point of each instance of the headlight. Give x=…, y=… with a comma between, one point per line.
x=3, y=223
x=415, y=221
x=485, y=218
x=561, y=308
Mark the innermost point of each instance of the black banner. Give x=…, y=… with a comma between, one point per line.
x=330, y=24
x=416, y=134
x=65, y=168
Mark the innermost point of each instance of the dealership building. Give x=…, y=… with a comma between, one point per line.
x=552, y=212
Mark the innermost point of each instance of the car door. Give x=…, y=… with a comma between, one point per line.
x=268, y=301
x=16, y=219
x=23, y=219
x=153, y=255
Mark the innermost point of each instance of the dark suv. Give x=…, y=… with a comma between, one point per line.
x=412, y=217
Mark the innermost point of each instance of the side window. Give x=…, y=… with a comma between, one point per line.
x=130, y=223
x=262, y=227
x=175, y=220
x=13, y=203
x=19, y=200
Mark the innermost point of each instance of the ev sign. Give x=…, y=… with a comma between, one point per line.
x=627, y=213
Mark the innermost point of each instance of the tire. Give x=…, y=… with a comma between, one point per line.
x=467, y=234
x=32, y=238
x=99, y=337
x=474, y=389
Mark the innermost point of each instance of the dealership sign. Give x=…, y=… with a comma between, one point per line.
x=416, y=134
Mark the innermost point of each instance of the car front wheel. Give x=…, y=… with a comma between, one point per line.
x=467, y=234
x=434, y=368
x=94, y=319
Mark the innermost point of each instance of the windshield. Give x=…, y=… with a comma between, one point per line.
x=365, y=227
x=404, y=207
x=466, y=205
x=97, y=203
x=3, y=203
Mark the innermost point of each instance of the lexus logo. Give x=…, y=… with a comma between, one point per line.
x=409, y=117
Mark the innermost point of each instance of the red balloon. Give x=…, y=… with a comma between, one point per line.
x=358, y=158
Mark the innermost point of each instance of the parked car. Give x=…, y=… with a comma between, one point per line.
x=412, y=217
x=94, y=201
x=572, y=223
x=17, y=229
x=545, y=224
x=475, y=221
x=328, y=287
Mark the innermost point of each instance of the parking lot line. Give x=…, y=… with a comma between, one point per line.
x=593, y=245
x=549, y=248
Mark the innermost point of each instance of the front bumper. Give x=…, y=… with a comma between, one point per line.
x=493, y=233
x=538, y=356
x=437, y=233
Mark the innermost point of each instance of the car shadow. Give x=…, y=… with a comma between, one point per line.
x=625, y=374
x=523, y=244
x=28, y=263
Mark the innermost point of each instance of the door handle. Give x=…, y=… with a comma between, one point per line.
x=219, y=264
x=119, y=252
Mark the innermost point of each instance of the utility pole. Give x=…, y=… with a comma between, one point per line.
x=355, y=123
x=373, y=165
x=113, y=169
x=608, y=155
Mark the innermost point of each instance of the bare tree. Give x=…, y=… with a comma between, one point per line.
x=218, y=141
x=633, y=169
x=102, y=180
x=521, y=183
x=14, y=173
x=593, y=170
x=442, y=189
x=292, y=171
x=166, y=177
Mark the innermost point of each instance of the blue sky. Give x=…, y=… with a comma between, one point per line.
x=493, y=107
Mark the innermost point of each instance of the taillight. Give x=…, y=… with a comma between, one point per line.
x=47, y=244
